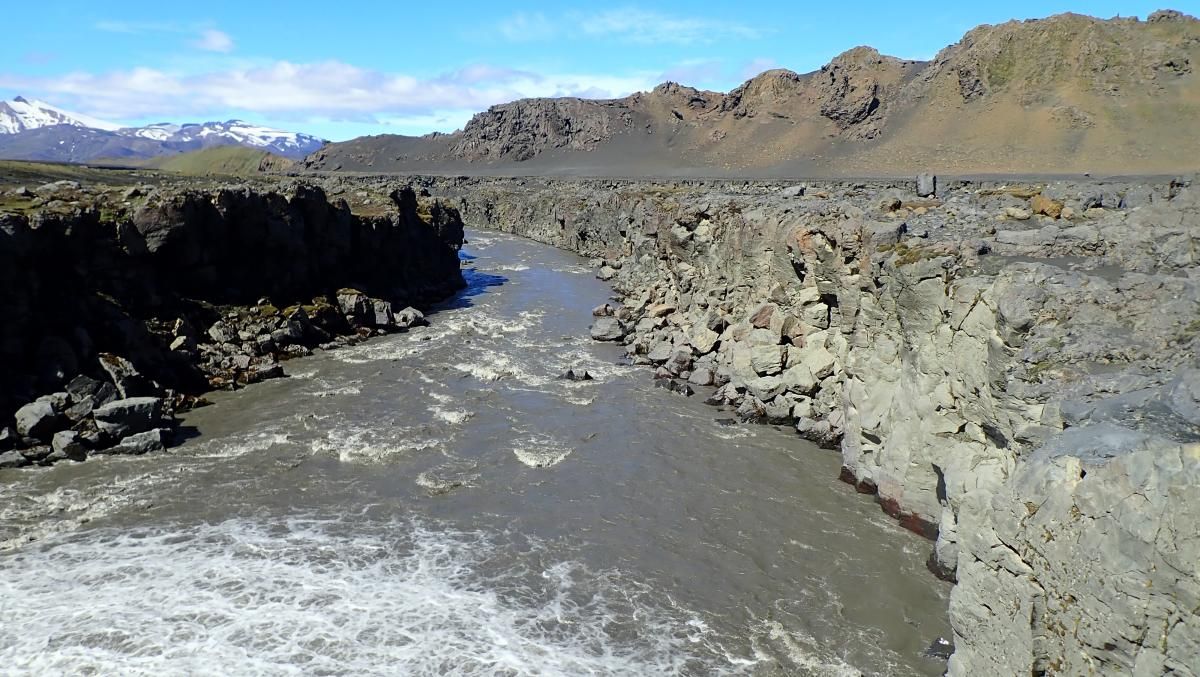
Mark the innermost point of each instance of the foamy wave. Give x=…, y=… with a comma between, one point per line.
x=311, y=597
x=448, y=477
x=492, y=366
x=799, y=650
x=734, y=431
x=370, y=446
x=237, y=445
x=540, y=451
x=28, y=517
x=451, y=416
x=326, y=389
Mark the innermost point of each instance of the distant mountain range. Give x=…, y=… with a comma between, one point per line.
x=36, y=130
x=1065, y=94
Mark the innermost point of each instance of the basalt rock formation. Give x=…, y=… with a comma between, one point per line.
x=1010, y=368
x=166, y=291
x=1065, y=94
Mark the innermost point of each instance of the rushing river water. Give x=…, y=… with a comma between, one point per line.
x=440, y=503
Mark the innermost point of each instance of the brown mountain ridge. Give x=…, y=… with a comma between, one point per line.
x=1065, y=94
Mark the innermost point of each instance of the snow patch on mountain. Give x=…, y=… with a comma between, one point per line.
x=21, y=114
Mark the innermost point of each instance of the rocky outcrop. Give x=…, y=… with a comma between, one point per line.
x=114, y=300
x=1023, y=389
x=523, y=129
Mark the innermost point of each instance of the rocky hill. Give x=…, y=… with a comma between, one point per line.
x=1065, y=94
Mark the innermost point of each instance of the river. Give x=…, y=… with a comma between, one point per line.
x=440, y=502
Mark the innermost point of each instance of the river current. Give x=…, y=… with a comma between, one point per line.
x=440, y=502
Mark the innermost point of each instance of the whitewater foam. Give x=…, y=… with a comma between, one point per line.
x=369, y=445
x=322, y=597
x=540, y=451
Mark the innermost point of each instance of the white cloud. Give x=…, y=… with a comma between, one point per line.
x=629, y=24
x=212, y=40
x=330, y=90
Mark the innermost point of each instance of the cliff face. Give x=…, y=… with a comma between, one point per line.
x=1009, y=368
x=186, y=283
x=1064, y=94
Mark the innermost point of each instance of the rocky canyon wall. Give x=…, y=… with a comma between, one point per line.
x=169, y=290
x=1011, y=368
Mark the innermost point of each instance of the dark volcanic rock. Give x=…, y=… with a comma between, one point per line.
x=146, y=270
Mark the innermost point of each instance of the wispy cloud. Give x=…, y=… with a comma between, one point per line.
x=206, y=37
x=695, y=72
x=629, y=24
x=135, y=27
x=528, y=27
x=756, y=66
x=329, y=90
x=212, y=40
x=648, y=27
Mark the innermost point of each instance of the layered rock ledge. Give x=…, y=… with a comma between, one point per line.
x=1010, y=368
x=121, y=305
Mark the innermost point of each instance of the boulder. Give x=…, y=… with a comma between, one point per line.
x=576, y=374
x=926, y=185
x=354, y=304
x=38, y=420
x=264, y=372
x=660, y=352
x=606, y=273
x=128, y=381
x=129, y=416
x=12, y=459
x=138, y=444
x=67, y=445
x=702, y=376
x=221, y=333
x=799, y=379
x=703, y=340
x=382, y=311
x=1040, y=204
x=87, y=389
x=183, y=344
x=607, y=329
x=410, y=317
x=762, y=316
x=766, y=360
x=765, y=388
x=675, y=386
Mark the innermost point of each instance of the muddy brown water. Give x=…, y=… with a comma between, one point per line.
x=440, y=502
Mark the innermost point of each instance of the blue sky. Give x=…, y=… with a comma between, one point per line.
x=347, y=68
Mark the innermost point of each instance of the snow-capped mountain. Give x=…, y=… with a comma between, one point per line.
x=36, y=130
x=22, y=114
x=232, y=131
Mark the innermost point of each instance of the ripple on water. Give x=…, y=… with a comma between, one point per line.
x=321, y=597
